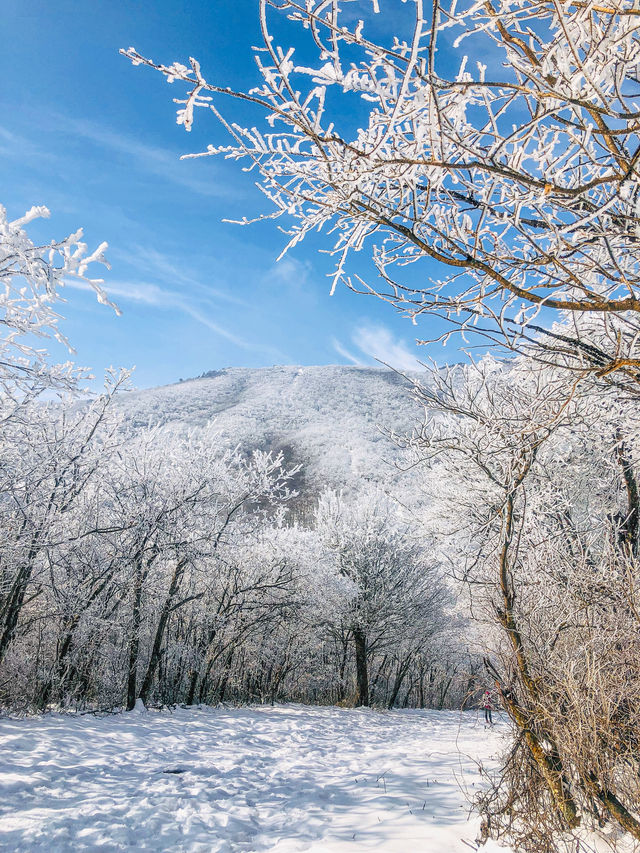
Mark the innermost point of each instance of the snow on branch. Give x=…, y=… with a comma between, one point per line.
x=30, y=278
x=513, y=168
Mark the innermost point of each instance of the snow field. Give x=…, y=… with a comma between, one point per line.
x=288, y=778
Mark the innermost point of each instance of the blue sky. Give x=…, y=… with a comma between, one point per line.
x=95, y=139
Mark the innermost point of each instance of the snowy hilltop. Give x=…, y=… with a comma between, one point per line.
x=333, y=420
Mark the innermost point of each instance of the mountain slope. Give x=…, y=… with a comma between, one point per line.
x=332, y=419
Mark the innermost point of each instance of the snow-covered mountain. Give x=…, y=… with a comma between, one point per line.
x=334, y=420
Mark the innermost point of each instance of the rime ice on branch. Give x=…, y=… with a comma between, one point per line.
x=30, y=278
x=499, y=139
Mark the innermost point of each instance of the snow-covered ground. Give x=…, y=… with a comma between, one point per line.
x=288, y=778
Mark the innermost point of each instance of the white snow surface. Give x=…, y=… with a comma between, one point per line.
x=285, y=778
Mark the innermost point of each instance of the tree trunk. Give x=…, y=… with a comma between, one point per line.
x=421, y=688
x=15, y=600
x=156, y=650
x=69, y=625
x=134, y=646
x=226, y=672
x=547, y=758
x=403, y=668
x=193, y=684
x=362, y=674
x=57, y=669
x=631, y=523
x=376, y=679
x=444, y=689
x=343, y=665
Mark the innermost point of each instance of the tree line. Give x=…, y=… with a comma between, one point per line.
x=164, y=566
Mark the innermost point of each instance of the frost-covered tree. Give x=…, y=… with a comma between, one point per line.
x=165, y=568
x=498, y=140
x=31, y=276
x=265, y=603
x=397, y=597
x=485, y=155
x=535, y=497
x=170, y=503
x=49, y=456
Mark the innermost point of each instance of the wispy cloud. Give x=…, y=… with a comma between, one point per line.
x=12, y=144
x=149, y=158
x=173, y=271
x=151, y=294
x=288, y=272
x=344, y=352
x=379, y=343
x=219, y=330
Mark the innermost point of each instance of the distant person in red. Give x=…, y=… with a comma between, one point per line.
x=488, y=707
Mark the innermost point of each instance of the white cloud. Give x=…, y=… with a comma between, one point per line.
x=171, y=270
x=140, y=291
x=150, y=294
x=378, y=342
x=215, y=327
x=19, y=147
x=150, y=158
x=344, y=352
x=288, y=272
